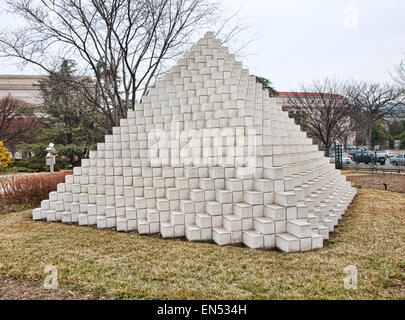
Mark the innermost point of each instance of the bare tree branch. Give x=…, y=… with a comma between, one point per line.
x=373, y=101
x=123, y=45
x=323, y=110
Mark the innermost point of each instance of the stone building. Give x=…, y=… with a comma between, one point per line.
x=21, y=87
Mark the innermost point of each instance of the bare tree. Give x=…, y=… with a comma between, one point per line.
x=399, y=77
x=16, y=121
x=373, y=101
x=122, y=44
x=322, y=110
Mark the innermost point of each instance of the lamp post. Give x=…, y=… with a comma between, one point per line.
x=50, y=157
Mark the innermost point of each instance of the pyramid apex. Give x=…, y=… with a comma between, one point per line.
x=209, y=35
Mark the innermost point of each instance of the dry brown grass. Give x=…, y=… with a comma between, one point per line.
x=14, y=289
x=128, y=266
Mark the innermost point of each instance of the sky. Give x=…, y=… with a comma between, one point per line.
x=296, y=41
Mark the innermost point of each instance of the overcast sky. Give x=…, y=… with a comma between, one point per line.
x=301, y=40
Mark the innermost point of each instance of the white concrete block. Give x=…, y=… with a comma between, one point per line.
x=253, y=239
x=287, y=242
x=223, y=196
x=253, y=197
x=166, y=230
x=242, y=210
x=193, y=233
x=213, y=208
x=264, y=225
x=275, y=212
x=232, y=223
x=36, y=214
x=317, y=241
x=286, y=199
x=221, y=236
x=176, y=218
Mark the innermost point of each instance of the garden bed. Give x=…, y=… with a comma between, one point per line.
x=395, y=182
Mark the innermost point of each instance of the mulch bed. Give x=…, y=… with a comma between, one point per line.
x=395, y=182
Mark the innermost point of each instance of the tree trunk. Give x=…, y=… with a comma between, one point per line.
x=327, y=150
x=368, y=134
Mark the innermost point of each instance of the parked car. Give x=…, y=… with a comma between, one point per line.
x=367, y=156
x=345, y=159
x=348, y=156
x=361, y=157
x=381, y=158
x=388, y=153
x=398, y=160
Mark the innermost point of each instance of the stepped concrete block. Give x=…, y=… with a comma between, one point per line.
x=334, y=218
x=292, y=213
x=213, y=208
x=36, y=214
x=324, y=231
x=317, y=241
x=275, y=212
x=269, y=241
x=264, y=185
x=253, y=197
x=122, y=224
x=330, y=224
x=305, y=244
x=234, y=185
x=203, y=220
x=132, y=225
x=313, y=220
x=143, y=226
x=176, y=218
x=286, y=199
x=253, y=239
x=232, y=223
x=236, y=237
x=280, y=226
x=247, y=224
x=179, y=231
x=224, y=196
x=206, y=234
x=206, y=150
x=221, y=236
x=167, y=230
x=299, y=228
x=101, y=222
x=67, y=217
x=242, y=210
x=264, y=225
x=83, y=220
x=287, y=242
x=193, y=233
x=274, y=173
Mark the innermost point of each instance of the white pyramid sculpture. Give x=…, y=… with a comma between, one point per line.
x=210, y=156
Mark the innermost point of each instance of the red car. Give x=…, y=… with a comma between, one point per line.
x=348, y=155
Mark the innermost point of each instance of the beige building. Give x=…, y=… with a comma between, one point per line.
x=20, y=87
x=23, y=88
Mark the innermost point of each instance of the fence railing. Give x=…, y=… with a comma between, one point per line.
x=372, y=168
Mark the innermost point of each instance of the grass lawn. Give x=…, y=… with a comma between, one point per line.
x=128, y=266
